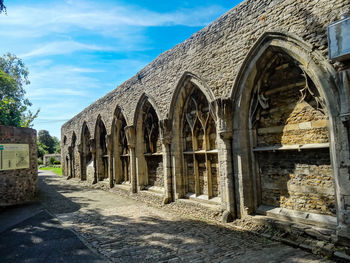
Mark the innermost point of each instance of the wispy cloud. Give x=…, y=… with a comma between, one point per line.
x=78, y=50
x=59, y=25
x=63, y=47
x=62, y=81
x=100, y=17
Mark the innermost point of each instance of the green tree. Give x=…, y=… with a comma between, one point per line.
x=42, y=150
x=14, y=106
x=9, y=112
x=2, y=7
x=57, y=145
x=47, y=140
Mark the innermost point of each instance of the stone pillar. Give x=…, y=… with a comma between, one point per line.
x=93, y=153
x=109, y=142
x=165, y=137
x=224, y=127
x=130, y=136
x=70, y=168
x=81, y=158
x=342, y=176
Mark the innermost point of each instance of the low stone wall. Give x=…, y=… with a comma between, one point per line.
x=47, y=158
x=18, y=185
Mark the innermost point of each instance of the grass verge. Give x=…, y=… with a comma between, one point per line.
x=56, y=170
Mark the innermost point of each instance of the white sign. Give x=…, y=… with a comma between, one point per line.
x=339, y=40
x=14, y=156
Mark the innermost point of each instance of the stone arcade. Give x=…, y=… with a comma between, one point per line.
x=248, y=115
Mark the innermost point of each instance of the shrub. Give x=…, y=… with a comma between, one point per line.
x=40, y=161
x=52, y=160
x=56, y=162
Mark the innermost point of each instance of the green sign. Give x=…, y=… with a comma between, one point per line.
x=1, y=147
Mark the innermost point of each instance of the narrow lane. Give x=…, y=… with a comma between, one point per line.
x=125, y=230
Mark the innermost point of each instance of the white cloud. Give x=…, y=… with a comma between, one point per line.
x=64, y=84
x=99, y=17
x=63, y=47
x=58, y=26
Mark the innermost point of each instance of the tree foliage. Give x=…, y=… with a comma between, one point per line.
x=9, y=112
x=42, y=150
x=14, y=106
x=2, y=7
x=47, y=143
x=45, y=138
x=57, y=145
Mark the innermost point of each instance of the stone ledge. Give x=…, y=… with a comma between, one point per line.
x=124, y=187
x=155, y=189
x=201, y=200
x=298, y=216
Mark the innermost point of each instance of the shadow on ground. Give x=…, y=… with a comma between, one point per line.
x=41, y=238
x=125, y=237
x=55, y=201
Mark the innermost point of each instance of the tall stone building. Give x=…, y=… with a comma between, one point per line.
x=248, y=114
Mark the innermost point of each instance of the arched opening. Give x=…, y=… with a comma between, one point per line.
x=86, y=155
x=149, y=149
x=282, y=133
x=121, y=152
x=290, y=139
x=101, y=151
x=199, y=147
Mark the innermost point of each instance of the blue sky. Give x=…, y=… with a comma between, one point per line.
x=77, y=51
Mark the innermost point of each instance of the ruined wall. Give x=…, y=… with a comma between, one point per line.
x=298, y=180
x=155, y=170
x=47, y=158
x=20, y=185
x=290, y=113
x=215, y=54
x=216, y=58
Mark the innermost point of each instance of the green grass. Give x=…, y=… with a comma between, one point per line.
x=53, y=169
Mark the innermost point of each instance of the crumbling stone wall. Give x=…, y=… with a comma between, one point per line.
x=155, y=171
x=20, y=185
x=222, y=61
x=215, y=54
x=55, y=156
x=288, y=112
x=298, y=180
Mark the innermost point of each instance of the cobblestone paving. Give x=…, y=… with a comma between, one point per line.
x=124, y=230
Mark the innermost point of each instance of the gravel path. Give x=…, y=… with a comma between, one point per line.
x=127, y=230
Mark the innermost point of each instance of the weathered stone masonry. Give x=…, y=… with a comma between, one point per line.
x=248, y=114
x=19, y=185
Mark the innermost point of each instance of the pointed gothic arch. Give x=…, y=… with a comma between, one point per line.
x=120, y=149
x=194, y=144
x=284, y=106
x=101, y=157
x=85, y=150
x=149, y=154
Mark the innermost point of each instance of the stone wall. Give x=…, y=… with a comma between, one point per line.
x=289, y=113
x=47, y=158
x=155, y=171
x=292, y=152
x=296, y=180
x=215, y=54
x=20, y=185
